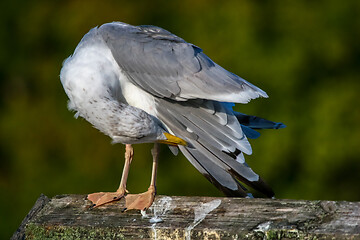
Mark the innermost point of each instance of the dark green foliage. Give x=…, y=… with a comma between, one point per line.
x=304, y=54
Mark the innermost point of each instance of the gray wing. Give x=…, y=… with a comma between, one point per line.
x=168, y=67
x=215, y=143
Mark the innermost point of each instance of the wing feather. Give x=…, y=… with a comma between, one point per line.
x=213, y=149
x=166, y=66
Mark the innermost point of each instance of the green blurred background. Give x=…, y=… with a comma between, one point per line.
x=304, y=54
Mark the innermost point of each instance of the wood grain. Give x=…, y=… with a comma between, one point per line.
x=69, y=217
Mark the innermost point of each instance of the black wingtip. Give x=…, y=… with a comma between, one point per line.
x=258, y=185
x=264, y=188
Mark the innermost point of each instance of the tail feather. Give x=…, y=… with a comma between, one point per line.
x=257, y=122
x=249, y=132
x=216, y=140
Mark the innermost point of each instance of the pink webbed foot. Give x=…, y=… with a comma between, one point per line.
x=102, y=198
x=140, y=201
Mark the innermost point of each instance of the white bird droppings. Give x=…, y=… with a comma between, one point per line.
x=143, y=214
x=200, y=213
x=159, y=208
x=263, y=227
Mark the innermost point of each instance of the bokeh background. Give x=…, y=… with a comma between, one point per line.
x=304, y=54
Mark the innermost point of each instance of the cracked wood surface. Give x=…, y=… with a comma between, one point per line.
x=69, y=217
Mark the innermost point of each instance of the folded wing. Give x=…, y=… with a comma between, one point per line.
x=168, y=67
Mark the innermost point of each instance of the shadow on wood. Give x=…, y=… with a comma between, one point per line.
x=69, y=217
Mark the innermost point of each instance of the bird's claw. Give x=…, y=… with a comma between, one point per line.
x=91, y=206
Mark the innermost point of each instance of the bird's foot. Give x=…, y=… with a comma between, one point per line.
x=140, y=201
x=102, y=198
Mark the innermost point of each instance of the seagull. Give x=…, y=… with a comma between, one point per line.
x=143, y=84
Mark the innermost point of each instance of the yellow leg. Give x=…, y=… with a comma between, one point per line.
x=102, y=198
x=144, y=200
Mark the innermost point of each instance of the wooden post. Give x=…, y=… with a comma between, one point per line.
x=69, y=217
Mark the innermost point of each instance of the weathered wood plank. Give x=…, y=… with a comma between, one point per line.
x=39, y=204
x=69, y=217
